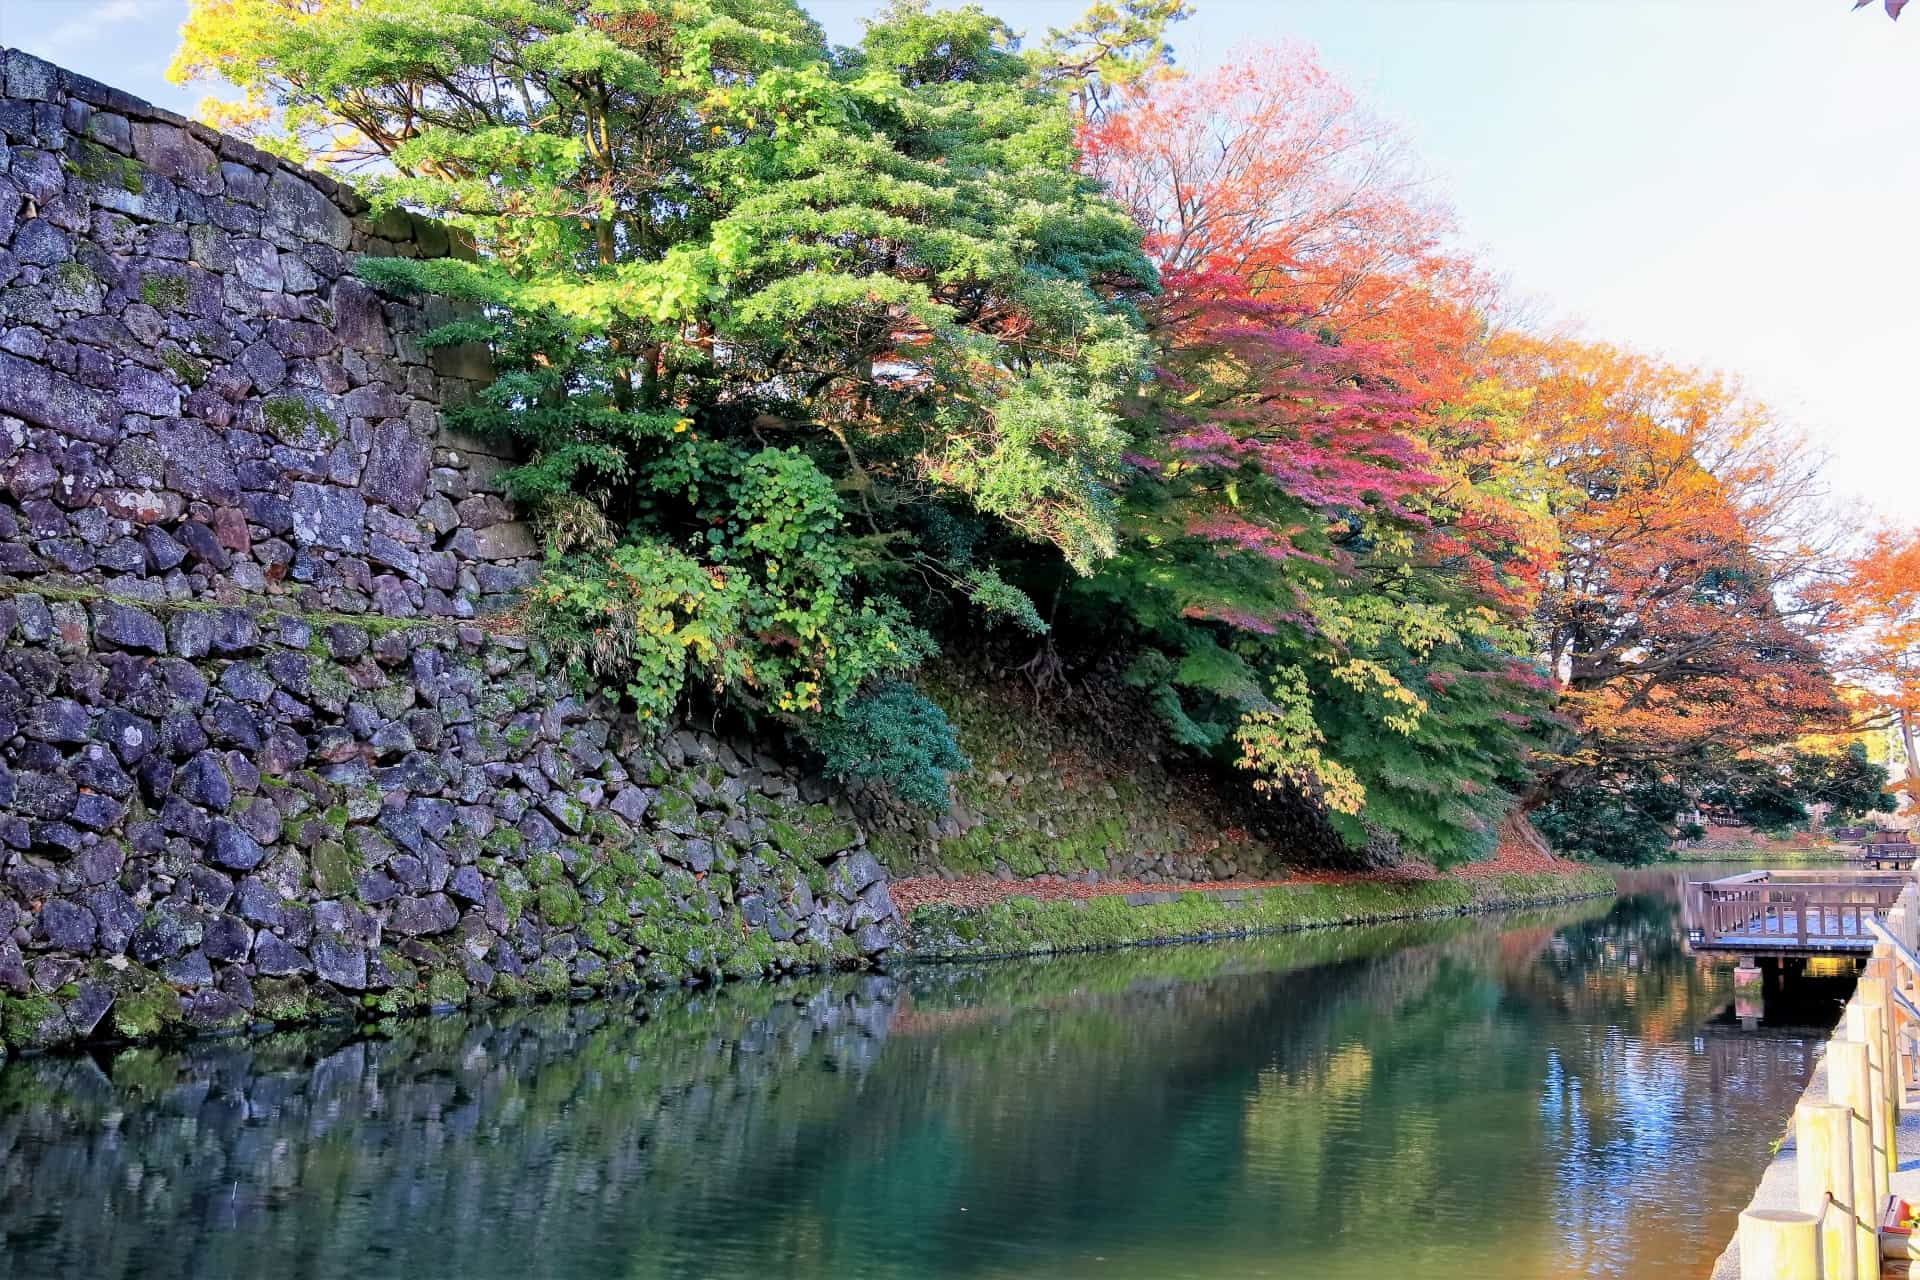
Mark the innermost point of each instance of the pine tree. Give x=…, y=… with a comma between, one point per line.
x=762, y=310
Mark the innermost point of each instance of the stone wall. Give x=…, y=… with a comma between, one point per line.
x=205, y=401
x=260, y=759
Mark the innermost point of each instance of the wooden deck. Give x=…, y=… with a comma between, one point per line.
x=1881, y=850
x=1790, y=913
x=1883, y=858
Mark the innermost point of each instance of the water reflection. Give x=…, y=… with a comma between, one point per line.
x=1530, y=1097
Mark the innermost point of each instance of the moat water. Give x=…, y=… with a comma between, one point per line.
x=1524, y=1096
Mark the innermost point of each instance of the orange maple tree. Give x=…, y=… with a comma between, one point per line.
x=1329, y=575
x=1876, y=616
x=1285, y=215
x=1650, y=519
x=1677, y=617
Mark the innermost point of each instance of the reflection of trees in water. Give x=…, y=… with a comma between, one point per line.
x=1628, y=969
x=1486, y=1086
x=1638, y=1087
x=592, y=1140
x=1266, y=1095
x=1137, y=1102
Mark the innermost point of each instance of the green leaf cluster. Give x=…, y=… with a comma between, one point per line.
x=1351, y=674
x=762, y=310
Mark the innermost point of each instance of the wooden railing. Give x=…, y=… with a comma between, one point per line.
x=1884, y=857
x=1763, y=911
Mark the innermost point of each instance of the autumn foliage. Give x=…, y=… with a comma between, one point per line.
x=1875, y=598
x=1631, y=536
x=839, y=355
x=1329, y=570
x=1669, y=615
x=1269, y=172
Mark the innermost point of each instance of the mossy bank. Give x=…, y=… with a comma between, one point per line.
x=1027, y=926
x=1085, y=787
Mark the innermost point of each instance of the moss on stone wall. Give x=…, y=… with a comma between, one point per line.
x=22, y=1017
x=290, y=417
x=164, y=291
x=1025, y=926
x=358, y=839
x=91, y=162
x=184, y=367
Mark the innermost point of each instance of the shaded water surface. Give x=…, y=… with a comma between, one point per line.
x=1491, y=1099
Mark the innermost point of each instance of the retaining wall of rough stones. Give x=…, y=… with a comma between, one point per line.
x=255, y=765
x=203, y=400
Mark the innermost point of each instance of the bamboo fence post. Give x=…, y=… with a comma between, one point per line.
x=1867, y=1023
x=1901, y=983
x=1890, y=969
x=1849, y=1083
x=1890, y=1078
x=1779, y=1244
x=1880, y=977
x=1823, y=1146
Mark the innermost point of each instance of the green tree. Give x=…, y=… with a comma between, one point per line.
x=1851, y=785
x=815, y=352
x=1635, y=813
x=764, y=312
x=1631, y=815
x=1773, y=793
x=1116, y=45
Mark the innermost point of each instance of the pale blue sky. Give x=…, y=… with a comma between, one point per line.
x=1728, y=182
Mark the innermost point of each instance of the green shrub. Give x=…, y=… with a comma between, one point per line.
x=893, y=734
x=768, y=610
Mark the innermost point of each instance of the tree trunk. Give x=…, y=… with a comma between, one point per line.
x=1546, y=784
x=1912, y=749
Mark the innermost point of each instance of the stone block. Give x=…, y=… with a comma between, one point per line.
x=174, y=153
x=329, y=516
x=300, y=208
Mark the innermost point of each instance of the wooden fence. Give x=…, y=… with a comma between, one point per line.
x=1772, y=912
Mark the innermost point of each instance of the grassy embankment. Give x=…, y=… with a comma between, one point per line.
x=1026, y=926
